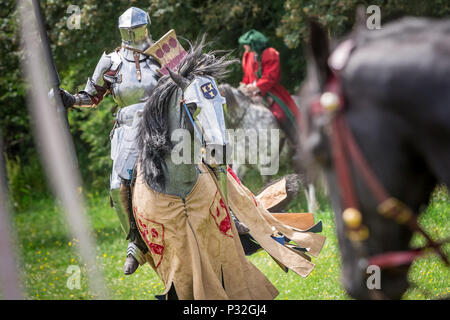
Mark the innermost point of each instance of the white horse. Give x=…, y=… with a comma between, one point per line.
x=249, y=114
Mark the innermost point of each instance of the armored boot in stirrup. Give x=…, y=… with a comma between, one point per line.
x=121, y=198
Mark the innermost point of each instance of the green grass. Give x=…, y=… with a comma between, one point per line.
x=46, y=251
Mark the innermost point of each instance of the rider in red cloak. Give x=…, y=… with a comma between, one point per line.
x=261, y=66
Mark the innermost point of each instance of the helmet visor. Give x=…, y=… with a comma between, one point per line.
x=134, y=36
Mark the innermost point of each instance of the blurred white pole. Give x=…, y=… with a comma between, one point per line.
x=9, y=280
x=55, y=144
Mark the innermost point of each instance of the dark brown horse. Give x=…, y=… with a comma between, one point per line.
x=381, y=131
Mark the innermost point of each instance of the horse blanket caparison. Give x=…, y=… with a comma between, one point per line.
x=194, y=245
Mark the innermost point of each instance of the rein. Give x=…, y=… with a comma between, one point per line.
x=197, y=133
x=136, y=56
x=345, y=150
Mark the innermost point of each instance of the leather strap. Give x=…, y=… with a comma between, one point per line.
x=134, y=50
x=393, y=210
x=138, y=64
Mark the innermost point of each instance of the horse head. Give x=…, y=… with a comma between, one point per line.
x=204, y=108
x=187, y=99
x=368, y=147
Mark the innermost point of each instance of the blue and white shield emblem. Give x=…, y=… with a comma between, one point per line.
x=209, y=91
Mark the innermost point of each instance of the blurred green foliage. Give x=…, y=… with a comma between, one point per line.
x=76, y=52
x=339, y=15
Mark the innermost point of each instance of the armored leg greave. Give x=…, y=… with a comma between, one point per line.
x=121, y=198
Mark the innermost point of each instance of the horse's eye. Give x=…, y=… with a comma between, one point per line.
x=194, y=110
x=192, y=107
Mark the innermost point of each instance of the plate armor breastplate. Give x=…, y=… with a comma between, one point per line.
x=126, y=89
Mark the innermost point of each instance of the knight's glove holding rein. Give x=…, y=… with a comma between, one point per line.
x=252, y=89
x=68, y=100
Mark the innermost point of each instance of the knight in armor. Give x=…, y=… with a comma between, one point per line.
x=130, y=76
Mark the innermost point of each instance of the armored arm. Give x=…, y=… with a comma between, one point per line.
x=97, y=86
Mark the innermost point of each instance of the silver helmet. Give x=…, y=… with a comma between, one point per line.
x=133, y=28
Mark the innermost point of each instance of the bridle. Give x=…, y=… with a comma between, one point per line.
x=197, y=132
x=344, y=151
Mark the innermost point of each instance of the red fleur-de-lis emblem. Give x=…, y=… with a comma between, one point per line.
x=153, y=234
x=219, y=211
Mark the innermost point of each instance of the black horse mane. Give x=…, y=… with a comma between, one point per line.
x=153, y=135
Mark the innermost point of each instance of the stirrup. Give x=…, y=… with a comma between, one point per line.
x=134, y=251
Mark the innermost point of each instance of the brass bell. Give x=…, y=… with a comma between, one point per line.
x=352, y=218
x=329, y=101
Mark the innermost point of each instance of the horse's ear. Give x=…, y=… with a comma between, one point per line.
x=179, y=80
x=318, y=53
x=227, y=93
